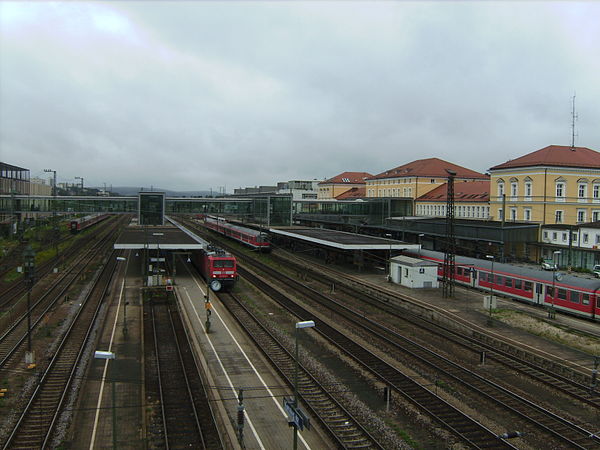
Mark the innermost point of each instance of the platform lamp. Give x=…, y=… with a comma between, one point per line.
x=421, y=235
x=29, y=266
x=551, y=311
x=490, y=322
x=304, y=324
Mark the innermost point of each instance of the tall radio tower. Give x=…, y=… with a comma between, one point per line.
x=574, y=117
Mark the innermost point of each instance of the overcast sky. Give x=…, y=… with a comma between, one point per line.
x=198, y=95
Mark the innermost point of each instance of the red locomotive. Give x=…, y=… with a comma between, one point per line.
x=258, y=240
x=218, y=267
x=567, y=293
x=77, y=225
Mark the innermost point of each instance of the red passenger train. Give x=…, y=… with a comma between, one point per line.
x=258, y=240
x=77, y=225
x=218, y=267
x=570, y=294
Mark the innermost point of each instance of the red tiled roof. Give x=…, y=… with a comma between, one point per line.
x=464, y=191
x=430, y=167
x=348, y=178
x=353, y=193
x=556, y=155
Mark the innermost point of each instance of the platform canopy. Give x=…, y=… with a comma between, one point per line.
x=158, y=237
x=343, y=240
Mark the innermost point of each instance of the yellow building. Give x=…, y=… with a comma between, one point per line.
x=332, y=187
x=556, y=184
x=417, y=178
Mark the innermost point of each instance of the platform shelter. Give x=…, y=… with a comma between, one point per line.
x=336, y=245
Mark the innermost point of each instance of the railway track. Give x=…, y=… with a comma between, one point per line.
x=342, y=426
x=568, y=433
x=15, y=290
x=564, y=379
x=182, y=416
x=36, y=422
x=463, y=426
x=12, y=340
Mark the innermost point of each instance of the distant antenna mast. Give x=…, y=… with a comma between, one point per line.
x=574, y=117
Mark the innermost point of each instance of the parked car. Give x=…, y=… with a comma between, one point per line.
x=596, y=270
x=548, y=264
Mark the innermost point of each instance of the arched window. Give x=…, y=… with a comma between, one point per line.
x=500, y=187
x=582, y=185
x=560, y=188
x=514, y=188
x=528, y=188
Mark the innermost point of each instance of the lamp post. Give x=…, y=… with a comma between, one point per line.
x=110, y=355
x=29, y=265
x=304, y=324
x=551, y=311
x=125, y=302
x=491, y=287
x=54, y=227
x=420, y=244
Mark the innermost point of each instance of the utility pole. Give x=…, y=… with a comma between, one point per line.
x=450, y=251
x=29, y=265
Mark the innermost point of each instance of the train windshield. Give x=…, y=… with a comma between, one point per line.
x=223, y=263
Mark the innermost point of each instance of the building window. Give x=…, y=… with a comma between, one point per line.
x=433, y=180
x=545, y=235
x=554, y=236
x=528, y=189
x=560, y=190
x=500, y=189
x=581, y=215
x=595, y=216
x=582, y=190
x=527, y=214
x=596, y=191
x=564, y=237
x=500, y=214
x=585, y=238
x=597, y=239
x=514, y=189
x=513, y=214
x=559, y=216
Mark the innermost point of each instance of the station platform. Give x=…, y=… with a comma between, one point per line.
x=232, y=363
x=342, y=240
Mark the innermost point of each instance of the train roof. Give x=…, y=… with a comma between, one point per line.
x=525, y=271
x=231, y=226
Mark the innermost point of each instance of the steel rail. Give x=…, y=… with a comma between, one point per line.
x=11, y=341
x=342, y=426
x=34, y=430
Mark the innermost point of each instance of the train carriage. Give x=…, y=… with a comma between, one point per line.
x=258, y=240
x=81, y=223
x=568, y=293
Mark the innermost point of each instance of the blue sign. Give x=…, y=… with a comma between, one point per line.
x=295, y=415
